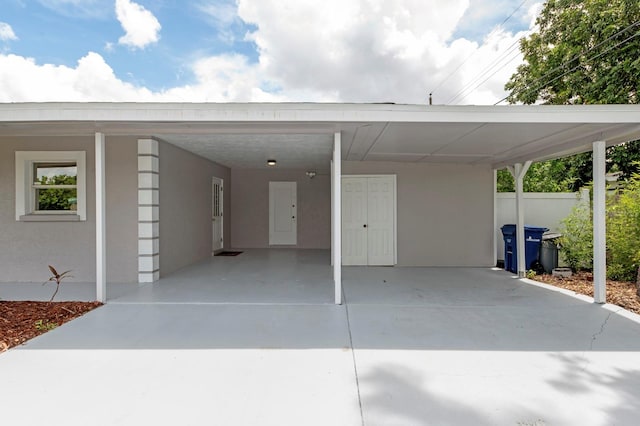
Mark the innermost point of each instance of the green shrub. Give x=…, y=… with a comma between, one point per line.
x=623, y=233
x=576, y=243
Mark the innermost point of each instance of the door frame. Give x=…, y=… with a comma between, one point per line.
x=394, y=178
x=220, y=181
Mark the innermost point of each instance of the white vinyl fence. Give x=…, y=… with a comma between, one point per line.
x=545, y=209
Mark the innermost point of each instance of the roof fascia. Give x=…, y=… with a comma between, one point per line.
x=327, y=113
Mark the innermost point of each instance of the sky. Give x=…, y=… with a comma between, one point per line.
x=462, y=51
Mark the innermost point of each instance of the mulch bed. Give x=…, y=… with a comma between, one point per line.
x=21, y=321
x=619, y=293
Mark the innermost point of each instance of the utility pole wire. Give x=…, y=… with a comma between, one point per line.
x=517, y=92
x=474, y=52
x=485, y=71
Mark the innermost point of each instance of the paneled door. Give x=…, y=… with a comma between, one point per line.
x=217, y=224
x=283, y=224
x=368, y=220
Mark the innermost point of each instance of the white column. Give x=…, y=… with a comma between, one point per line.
x=101, y=240
x=599, y=223
x=336, y=204
x=148, y=211
x=333, y=219
x=495, y=218
x=518, y=171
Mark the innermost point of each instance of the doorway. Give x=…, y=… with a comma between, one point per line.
x=283, y=227
x=217, y=223
x=369, y=220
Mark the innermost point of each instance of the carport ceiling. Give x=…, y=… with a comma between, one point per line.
x=300, y=135
x=251, y=151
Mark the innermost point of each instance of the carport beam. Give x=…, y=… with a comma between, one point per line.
x=518, y=171
x=337, y=217
x=599, y=223
x=101, y=240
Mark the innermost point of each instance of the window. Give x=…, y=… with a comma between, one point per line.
x=50, y=185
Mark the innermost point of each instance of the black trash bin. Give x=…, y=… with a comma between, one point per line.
x=549, y=252
x=532, y=242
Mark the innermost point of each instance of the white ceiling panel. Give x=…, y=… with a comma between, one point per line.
x=416, y=139
x=362, y=140
x=495, y=138
x=464, y=159
x=395, y=157
x=251, y=151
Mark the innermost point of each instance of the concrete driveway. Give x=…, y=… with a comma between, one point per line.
x=411, y=346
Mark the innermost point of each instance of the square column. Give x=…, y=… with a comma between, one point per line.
x=599, y=223
x=148, y=211
x=518, y=171
x=336, y=216
x=101, y=234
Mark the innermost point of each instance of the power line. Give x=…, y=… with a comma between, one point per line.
x=561, y=66
x=452, y=73
x=485, y=71
x=513, y=58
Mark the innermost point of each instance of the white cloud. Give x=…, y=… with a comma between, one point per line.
x=372, y=51
x=220, y=14
x=140, y=26
x=226, y=78
x=22, y=80
x=6, y=32
x=93, y=9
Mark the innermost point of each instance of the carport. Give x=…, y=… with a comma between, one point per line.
x=425, y=143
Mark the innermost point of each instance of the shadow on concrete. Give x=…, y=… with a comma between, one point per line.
x=602, y=378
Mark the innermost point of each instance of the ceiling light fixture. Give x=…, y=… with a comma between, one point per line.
x=311, y=174
x=271, y=162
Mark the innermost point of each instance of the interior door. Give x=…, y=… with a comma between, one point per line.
x=217, y=224
x=380, y=221
x=368, y=220
x=354, y=221
x=283, y=221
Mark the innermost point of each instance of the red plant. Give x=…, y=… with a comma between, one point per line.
x=57, y=278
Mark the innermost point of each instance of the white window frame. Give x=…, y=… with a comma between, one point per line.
x=25, y=197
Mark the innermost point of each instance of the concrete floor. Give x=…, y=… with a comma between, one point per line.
x=411, y=346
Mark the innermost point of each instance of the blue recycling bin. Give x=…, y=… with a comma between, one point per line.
x=532, y=243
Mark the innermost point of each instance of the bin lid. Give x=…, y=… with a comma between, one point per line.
x=511, y=226
x=551, y=236
x=535, y=228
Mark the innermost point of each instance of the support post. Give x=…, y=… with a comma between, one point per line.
x=518, y=171
x=101, y=241
x=337, y=217
x=599, y=223
x=495, y=218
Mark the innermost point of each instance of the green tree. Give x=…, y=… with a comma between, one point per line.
x=623, y=233
x=584, y=52
x=547, y=176
x=57, y=198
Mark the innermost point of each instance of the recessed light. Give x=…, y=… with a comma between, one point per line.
x=271, y=162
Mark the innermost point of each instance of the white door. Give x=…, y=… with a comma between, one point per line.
x=380, y=222
x=283, y=213
x=217, y=214
x=368, y=220
x=354, y=221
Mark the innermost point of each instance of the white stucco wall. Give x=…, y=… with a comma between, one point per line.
x=445, y=212
x=26, y=248
x=185, y=207
x=250, y=205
